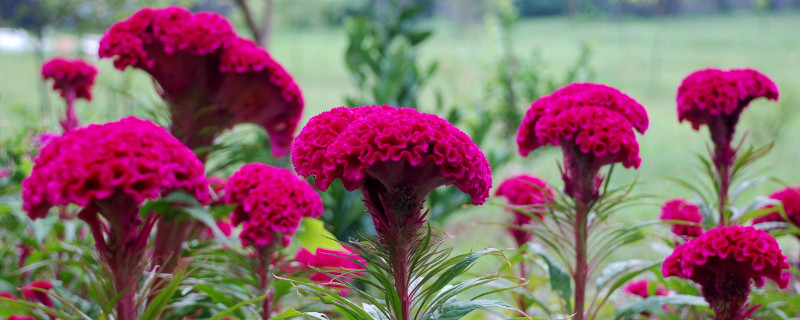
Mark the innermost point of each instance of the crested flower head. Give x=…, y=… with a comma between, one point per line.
x=395, y=147
x=528, y=191
x=132, y=158
x=71, y=78
x=680, y=209
x=711, y=94
x=211, y=78
x=790, y=199
x=330, y=260
x=642, y=288
x=599, y=120
x=270, y=202
x=30, y=293
x=743, y=252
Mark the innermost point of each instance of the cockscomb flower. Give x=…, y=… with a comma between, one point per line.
x=73, y=79
x=723, y=261
x=790, y=199
x=270, y=202
x=337, y=263
x=30, y=293
x=211, y=78
x=642, y=288
x=529, y=193
x=399, y=153
x=594, y=125
x=7, y=295
x=18, y=317
x=680, y=209
x=110, y=170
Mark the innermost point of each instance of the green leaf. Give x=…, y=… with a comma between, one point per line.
x=560, y=280
x=454, y=310
x=221, y=315
x=618, y=268
x=656, y=302
x=291, y=313
x=313, y=235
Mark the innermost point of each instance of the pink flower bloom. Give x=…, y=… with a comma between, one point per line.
x=110, y=169
x=18, y=317
x=270, y=202
x=4, y=173
x=680, y=209
x=32, y=295
x=8, y=295
x=330, y=261
x=641, y=288
x=211, y=79
x=790, y=198
x=594, y=125
x=73, y=79
x=723, y=260
x=530, y=192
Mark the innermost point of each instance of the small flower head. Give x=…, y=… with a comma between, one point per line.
x=597, y=119
x=270, y=202
x=132, y=158
x=30, y=293
x=7, y=295
x=18, y=317
x=680, y=209
x=711, y=94
x=790, y=199
x=528, y=191
x=736, y=251
x=330, y=260
x=73, y=79
x=642, y=288
x=397, y=147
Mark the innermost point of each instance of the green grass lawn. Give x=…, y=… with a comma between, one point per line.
x=646, y=58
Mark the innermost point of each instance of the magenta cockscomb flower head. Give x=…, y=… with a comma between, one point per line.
x=18, y=317
x=642, y=288
x=683, y=210
x=110, y=170
x=337, y=263
x=395, y=155
x=790, y=199
x=270, y=202
x=594, y=125
x=211, y=78
x=723, y=261
x=73, y=79
x=7, y=295
x=31, y=293
x=530, y=194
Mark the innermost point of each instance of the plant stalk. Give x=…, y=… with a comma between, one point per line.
x=581, y=268
x=265, y=272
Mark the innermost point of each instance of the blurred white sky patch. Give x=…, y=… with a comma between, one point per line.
x=14, y=40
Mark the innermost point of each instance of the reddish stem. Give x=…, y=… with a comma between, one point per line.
x=727, y=296
x=265, y=272
x=71, y=120
x=581, y=268
x=523, y=273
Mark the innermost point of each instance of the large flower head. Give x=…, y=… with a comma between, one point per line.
x=528, y=191
x=211, y=78
x=330, y=260
x=680, y=209
x=596, y=119
x=130, y=158
x=790, y=199
x=396, y=147
x=717, y=97
x=741, y=251
x=73, y=79
x=270, y=202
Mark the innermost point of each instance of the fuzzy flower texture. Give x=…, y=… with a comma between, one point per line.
x=211, y=78
x=73, y=79
x=682, y=210
x=270, y=202
x=790, y=199
x=528, y=193
x=723, y=261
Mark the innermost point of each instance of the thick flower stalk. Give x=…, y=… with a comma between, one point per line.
x=340, y=264
x=594, y=125
x=270, y=203
x=211, y=80
x=723, y=261
x=716, y=98
x=73, y=79
x=396, y=156
x=683, y=210
x=110, y=170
